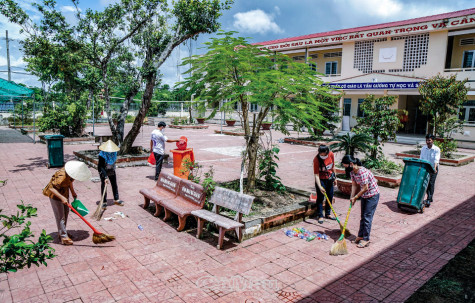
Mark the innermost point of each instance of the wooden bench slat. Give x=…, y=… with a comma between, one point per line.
x=232, y=200
x=220, y=220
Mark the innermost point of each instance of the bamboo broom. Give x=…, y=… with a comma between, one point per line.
x=339, y=247
x=343, y=230
x=99, y=210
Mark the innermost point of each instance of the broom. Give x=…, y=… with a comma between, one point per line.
x=97, y=237
x=339, y=247
x=99, y=210
x=343, y=230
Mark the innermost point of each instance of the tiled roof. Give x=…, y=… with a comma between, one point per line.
x=465, y=12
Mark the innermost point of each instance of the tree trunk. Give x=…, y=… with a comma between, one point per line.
x=146, y=102
x=252, y=148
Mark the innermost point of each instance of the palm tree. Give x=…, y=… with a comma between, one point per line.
x=352, y=143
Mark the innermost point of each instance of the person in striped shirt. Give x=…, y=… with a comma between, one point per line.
x=369, y=194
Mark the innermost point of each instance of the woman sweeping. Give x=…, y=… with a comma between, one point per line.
x=58, y=189
x=369, y=195
x=106, y=168
x=323, y=169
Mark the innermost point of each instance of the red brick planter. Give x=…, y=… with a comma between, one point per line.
x=384, y=181
x=444, y=161
x=308, y=143
x=189, y=126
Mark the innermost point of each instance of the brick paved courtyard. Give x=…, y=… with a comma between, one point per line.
x=159, y=264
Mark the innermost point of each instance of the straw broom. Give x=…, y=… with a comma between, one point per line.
x=343, y=230
x=339, y=247
x=97, y=237
x=99, y=210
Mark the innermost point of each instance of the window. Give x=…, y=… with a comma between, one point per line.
x=346, y=106
x=253, y=107
x=467, y=112
x=331, y=67
x=468, y=59
x=360, y=110
x=313, y=66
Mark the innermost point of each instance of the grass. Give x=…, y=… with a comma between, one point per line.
x=453, y=283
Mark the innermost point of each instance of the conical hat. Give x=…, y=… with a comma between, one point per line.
x=78, y=170
x=109, y=147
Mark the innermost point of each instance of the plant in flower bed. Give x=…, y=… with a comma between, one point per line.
x=18, y=250
x=383, y=166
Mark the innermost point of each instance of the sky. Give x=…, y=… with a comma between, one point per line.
x=259, y=20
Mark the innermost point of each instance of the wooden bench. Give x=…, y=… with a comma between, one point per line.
x=229, y=199
x=166, y=188
x=191, y=197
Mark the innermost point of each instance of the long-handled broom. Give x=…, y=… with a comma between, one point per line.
x=97, y=237
x=343, y=230
x=100, y=210
x=339, y=247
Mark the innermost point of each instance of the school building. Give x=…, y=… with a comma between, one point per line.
x=392, y=58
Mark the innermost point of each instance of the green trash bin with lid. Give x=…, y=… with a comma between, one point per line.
x=54, y=144
x=415, y=179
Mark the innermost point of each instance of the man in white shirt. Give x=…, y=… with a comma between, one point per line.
x=157, y=145
x=431, y=153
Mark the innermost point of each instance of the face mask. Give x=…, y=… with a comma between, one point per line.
x=324, y=157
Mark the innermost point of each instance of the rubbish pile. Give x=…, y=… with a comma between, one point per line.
x=117, y=215
x=302, y=233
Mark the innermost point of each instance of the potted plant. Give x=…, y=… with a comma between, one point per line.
x=230, y=122
x=266, y=125
x=200, y=119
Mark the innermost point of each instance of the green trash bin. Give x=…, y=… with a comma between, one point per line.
x=54, y=144
x=415, y=179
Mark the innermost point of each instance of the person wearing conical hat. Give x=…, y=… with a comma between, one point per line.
x=106, y=168
x=58, y=189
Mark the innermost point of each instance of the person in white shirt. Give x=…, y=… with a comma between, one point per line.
x=157, y=145
x=431, y=153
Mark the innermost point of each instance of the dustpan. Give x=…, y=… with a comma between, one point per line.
x=79, y=207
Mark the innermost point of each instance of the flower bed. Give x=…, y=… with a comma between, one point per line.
x=189, y=126
x=236, y=132
x=139, y=157
x=71, y=141
x=307, y=141
x=458, y=159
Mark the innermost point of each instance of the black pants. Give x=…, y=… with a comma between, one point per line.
x=368, y=207
x=158, y=164
x=328, y=186
x=113, y=183
x=431, y=186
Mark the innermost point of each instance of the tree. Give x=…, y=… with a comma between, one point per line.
x=18, y=250
x=242, y=73
x=330, y=108
x=442, y=98
x=351, y=144
x=91, y=55
x=380, y=122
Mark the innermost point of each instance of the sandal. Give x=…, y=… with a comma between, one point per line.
x=320, y=220
x=119, y=202
x=330, y=217
x=66, y=241
x=358, y=239
x=363, y=244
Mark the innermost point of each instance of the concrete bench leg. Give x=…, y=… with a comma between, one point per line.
x=181, y=223
x=239, y=234
x=222, y=231
x=146, y=203
x=199, y=230
x=168, y=214
x=158, y=210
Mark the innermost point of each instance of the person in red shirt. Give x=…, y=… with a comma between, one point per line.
x=325, y=179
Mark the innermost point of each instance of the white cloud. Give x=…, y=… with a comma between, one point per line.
x=13, y=61
x=68, y=9
x=256, y=21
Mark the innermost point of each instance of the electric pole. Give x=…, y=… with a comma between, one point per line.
x=8, y=57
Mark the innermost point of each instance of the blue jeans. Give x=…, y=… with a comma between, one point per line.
x=328, y=186
x=368, y=207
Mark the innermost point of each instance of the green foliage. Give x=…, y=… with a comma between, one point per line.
x=380, y=122
x=129, y=119
x=180, y=121
x=351, y=144
x=383, y=166
x=447, y=147
x=209, y=184
x=18, y=250
x=329, y=108
x=450, y=126
x=193, y=169
x=268, y=168
x=442, y=99
x=65, y=117
x=242, y=73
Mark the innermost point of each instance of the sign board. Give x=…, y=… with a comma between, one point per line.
x=375, y=85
